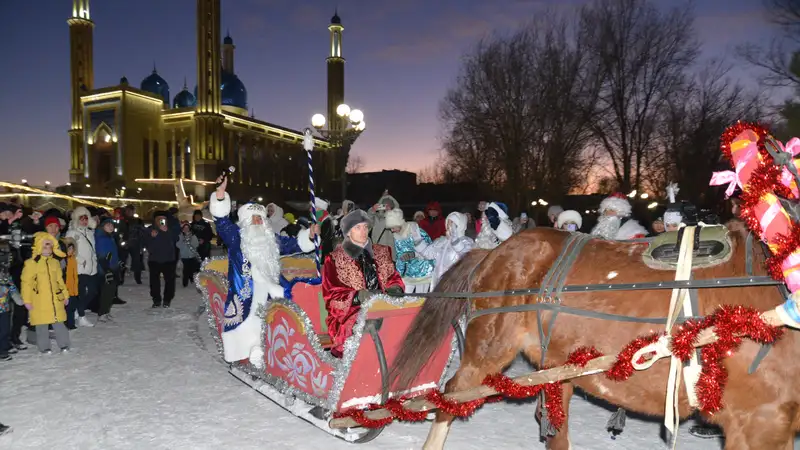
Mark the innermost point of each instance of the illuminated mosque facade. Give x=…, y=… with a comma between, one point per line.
x=141, y=138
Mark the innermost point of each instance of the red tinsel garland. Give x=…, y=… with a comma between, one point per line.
x=731, y=324
x=730, y=134
x=763, y=180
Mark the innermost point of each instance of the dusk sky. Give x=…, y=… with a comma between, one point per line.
x=401, y=58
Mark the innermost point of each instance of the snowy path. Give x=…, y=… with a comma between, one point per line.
x=150, y=381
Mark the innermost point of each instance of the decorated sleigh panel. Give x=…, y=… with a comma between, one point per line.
x=381, y=329
x=294, y=358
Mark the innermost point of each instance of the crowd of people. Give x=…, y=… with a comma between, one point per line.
x=64, y=265
x=75, y=262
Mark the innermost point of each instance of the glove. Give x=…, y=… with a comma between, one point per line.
x=109, y=277
x=395, y=291
x=360, y=297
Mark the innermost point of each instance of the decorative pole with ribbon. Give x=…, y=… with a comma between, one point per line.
x=308, y=145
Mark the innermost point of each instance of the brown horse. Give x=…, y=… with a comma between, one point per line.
x=761, y=411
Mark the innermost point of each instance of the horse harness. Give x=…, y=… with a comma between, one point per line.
x=554, y=284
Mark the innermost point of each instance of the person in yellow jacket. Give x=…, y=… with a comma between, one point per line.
x=44, y=292
x=71, y=278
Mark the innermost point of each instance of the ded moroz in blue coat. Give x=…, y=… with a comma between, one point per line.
x=242, y=329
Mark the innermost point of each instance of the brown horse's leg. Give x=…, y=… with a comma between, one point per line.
x=765, y=427
x=561, y=440
x=481, y=358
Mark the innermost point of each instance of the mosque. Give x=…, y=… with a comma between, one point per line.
x=139, y=140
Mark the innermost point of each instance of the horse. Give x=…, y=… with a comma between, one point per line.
x=760, y=411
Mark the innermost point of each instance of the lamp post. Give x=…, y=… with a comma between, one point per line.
x=341, y=134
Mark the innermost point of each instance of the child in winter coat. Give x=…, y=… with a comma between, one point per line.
x=8, y=293
x=45, y=294
x=187, y=245
x=71, y=278
x=107, y=267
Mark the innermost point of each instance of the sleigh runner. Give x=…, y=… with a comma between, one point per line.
x=299, y=373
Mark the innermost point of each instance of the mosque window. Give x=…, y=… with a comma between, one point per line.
x=156, y=172
x=146, y=158
x=170, y=174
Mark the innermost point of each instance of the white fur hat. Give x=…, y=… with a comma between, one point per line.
x=616, y=202
x=569, y=215
x=394, y=218
x=248, y=210
x=320, y=204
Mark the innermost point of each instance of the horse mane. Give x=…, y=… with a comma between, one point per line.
x=434, y=321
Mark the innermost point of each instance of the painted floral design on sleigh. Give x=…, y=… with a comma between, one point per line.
x=289, y=353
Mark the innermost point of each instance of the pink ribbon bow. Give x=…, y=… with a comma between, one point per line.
x=731, y=177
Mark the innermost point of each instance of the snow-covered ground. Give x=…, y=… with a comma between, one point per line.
x=152, y=380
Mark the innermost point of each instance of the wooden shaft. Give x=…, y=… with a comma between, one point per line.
x=560, y=373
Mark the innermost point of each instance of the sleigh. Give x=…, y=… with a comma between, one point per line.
x=299, y=372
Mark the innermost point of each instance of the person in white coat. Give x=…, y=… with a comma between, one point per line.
x=275, y=218
x=81, y=230
x=448, y=249
x=496, y=227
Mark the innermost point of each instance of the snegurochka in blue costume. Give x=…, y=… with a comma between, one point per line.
x=254, y=251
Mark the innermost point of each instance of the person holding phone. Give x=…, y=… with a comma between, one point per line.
x=523, y=222
x=569, y=220
x=160, y=242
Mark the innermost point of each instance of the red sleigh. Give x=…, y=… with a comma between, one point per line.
x=299, y=373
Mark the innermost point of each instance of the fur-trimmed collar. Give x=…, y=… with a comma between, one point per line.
x=354, y=251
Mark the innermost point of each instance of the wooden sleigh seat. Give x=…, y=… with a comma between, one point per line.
x=307, y=297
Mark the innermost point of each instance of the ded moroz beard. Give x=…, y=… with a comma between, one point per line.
x=607, y=227
x=261, y=250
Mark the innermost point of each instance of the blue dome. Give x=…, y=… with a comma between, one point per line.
x=157, y=85
x=184, y=99
x=228, y=40
x=233, y=91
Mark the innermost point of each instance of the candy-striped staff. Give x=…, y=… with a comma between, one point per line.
x=308, y=145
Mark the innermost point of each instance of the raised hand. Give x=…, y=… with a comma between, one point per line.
x=223, y=183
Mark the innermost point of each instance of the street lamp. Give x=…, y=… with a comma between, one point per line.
x=341, y=132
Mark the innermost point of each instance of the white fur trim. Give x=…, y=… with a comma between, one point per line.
x=304, y=242
x=630, y=230
x=569, y=215
x=219, y=208
x=499, y=210
x=320, y=204
x=504, y=230
x=394, y=218
x=620, y=205
x=460, y=221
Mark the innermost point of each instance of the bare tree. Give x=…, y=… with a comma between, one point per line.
x=691, y=123
x=777, y=58
x=518, y=117
x=643, y=54
x=355, y=164
x=431, y=174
